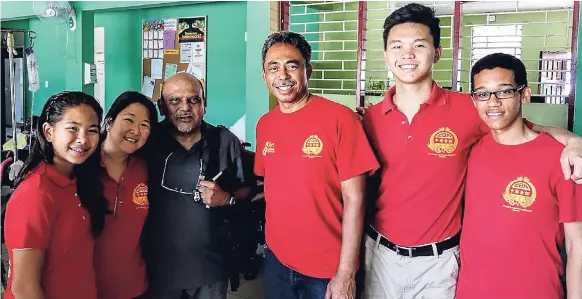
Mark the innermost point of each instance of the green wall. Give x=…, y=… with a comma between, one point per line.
x=225, y=56
x=234, y=89
x=328, y=42
x=257, y=94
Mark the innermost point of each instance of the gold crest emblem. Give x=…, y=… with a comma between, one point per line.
x=443, y=142
x=269, y=148
x=520, y=193
x=140, y=195
x=312, y=146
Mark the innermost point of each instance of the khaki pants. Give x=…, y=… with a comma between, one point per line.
x=392, y=276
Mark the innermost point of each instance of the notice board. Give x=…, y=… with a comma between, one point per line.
x=170, y=46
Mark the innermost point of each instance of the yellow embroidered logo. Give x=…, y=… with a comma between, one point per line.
x=140, y=196
x=520, y=194
x=269, y=148
x=312, y=146
x=443, y=143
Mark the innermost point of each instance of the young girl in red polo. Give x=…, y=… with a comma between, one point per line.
x=119, y=266
x=56, y=210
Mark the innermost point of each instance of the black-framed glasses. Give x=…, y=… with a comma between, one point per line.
x=499, y=94
x=195, y=194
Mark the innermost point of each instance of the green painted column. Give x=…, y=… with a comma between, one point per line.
x=87, y=48
x=257, y=94
x=80, y=52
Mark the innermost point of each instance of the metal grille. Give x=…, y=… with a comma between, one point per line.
x=540, y=36
x=331, y=29
x=539, y=33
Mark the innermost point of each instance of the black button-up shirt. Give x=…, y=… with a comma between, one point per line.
x=185, y=244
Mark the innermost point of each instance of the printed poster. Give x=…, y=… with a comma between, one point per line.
x=192, y=30
x=147, y=87
x=171, y=69
x=198, y=52
x=171, y=24
x=185, y=52
x=197, y=70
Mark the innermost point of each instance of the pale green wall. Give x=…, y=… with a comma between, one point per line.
x=229, y=62
x=257, y=94
x=324, y=37
x=222, y=53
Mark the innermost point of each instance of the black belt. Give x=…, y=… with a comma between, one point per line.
x=425, y=250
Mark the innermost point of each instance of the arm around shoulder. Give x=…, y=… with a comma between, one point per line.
x=571, y=159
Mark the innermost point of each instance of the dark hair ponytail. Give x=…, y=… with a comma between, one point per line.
x=89, y=187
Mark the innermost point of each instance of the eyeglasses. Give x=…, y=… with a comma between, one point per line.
x=194, y=193
x=499, y=94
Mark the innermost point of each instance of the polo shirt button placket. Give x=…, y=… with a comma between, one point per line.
x=80, y=206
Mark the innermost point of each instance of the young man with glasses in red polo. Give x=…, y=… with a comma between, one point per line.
x=422, y=135
x=195, y=172
x=518, y=206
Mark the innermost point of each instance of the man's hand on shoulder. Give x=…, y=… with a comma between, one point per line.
x=571, y=160
x=362, y=110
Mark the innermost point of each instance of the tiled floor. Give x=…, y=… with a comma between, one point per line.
x=253, y=289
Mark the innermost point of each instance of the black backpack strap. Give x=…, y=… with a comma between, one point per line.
x=211, y=151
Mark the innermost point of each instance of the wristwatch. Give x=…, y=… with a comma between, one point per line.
x=232, y=200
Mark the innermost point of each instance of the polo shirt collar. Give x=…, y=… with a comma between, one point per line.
x=54, y=175
x=437, y=97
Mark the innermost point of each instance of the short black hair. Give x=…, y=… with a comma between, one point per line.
x=414, y=13
x=296, y=40
x=504, y=61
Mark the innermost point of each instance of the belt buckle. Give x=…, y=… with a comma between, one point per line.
x=405, y=248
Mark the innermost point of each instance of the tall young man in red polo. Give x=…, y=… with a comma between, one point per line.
x=422, y=135
x=314, y=156
x=518, y=207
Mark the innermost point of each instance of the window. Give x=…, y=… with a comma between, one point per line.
x=496, y=39
x=555, y=76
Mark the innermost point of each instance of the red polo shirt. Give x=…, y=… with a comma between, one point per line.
x=304, y=156
x=424, y=163
x=516, y=201
x=119, y=266
x=45, y=213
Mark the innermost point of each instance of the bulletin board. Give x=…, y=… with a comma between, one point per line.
x=171, y=46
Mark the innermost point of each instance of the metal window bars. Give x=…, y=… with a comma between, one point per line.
x=346, y=37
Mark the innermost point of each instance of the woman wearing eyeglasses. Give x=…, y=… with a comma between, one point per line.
x=120, y=269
